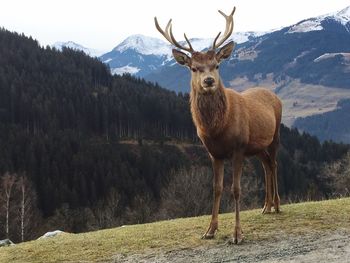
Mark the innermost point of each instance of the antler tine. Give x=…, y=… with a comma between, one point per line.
x=233, y=11
x=228, y=29
x=216, y=38
x=168, y=34
x=175, y=43
x=188, y=42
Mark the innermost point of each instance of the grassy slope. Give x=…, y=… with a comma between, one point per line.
x=181, y=233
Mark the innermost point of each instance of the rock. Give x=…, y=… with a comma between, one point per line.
x=51, y=234
x=6, y=242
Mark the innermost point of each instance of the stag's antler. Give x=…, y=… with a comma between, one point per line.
x=228, y=29
x=168, y=34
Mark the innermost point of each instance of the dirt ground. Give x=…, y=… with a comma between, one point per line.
x=310, y=248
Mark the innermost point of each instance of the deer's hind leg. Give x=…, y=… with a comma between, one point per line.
x=273, y=148
x=269, y=162
x=265, y=160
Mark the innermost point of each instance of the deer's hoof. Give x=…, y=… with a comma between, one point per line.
x=237, y=236
x=238, y=241
x=208, y=236
x=266, y=209
x=277, y=210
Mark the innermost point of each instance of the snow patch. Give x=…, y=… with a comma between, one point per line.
x=126, y=69
x=332, y=55
x=241, y=37
x=108, y=60
x=306, y=26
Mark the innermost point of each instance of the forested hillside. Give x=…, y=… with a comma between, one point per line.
x=99, y=151
x=329, y=125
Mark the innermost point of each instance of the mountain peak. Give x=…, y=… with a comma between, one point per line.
x=69, y=44
x=144, y=45
x=72, y=45
x=343, y=16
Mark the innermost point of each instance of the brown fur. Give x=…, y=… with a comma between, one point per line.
x=228, y=121
x=233, y=126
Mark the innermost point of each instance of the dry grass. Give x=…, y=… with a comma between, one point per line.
x=180, y=233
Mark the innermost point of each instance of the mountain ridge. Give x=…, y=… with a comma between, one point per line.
x=315, y=23
x=141, y=55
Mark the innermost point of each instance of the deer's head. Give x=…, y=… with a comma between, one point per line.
x=203, y=65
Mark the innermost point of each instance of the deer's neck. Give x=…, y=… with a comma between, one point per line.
x=209, y=110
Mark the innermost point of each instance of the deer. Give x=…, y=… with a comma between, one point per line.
x=231, y=125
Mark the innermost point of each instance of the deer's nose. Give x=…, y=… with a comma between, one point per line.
x=209, y=81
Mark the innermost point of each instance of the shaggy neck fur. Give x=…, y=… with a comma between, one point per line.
x=209, y=110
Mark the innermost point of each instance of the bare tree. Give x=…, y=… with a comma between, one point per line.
x=27, y=206
x=336, y=177
x=187, y=194
x=107, y=212
x=140, y=210
x=7, y=183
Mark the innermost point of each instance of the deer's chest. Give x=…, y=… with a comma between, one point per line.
x=221, y=146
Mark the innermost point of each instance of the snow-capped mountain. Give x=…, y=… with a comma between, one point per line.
x=70, y=44
x=295, y=50
x=138, y=55
x=314, y=24
x=144, y=45
x=141, y=55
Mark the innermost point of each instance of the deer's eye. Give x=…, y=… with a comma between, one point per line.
x=194, y=69
x=217, y=66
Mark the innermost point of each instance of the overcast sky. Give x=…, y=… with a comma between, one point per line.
x=105, y=23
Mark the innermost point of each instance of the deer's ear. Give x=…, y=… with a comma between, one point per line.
x=225, y=51
x=181, y=58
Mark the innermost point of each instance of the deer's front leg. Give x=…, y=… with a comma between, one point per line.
x=218, y=169
x=236, y=191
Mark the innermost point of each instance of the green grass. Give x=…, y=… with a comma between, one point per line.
x=181, y=233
